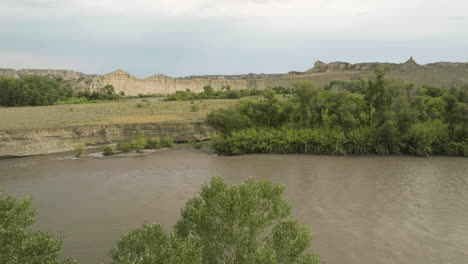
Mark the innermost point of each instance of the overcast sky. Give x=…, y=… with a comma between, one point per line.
x=189, y=37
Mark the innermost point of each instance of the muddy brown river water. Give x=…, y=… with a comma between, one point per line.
x=361, y=210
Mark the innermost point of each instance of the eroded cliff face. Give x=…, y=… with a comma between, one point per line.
x=163, y=84
x=64, y=74
x=54, y=140
x=436, y=74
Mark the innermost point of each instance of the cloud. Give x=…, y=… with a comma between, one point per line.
x=228, y=34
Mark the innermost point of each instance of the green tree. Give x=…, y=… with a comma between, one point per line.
x=245, y=223
x=109, y=89
x=149, y=244
x=208, y=89
x=20, y=245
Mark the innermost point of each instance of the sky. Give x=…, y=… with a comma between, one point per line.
x=194, y=37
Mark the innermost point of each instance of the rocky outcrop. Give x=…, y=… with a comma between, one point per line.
x=53, y=74
x=437, y=74
x=54, y=140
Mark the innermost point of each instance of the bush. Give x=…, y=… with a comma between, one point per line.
x=426, y=138
x=197, y=144
x=140, y=105
x=125, y=146
x=109, y=150
x=79, y=149
x=139, y=144
x=154, y=143
x=167, y=142
x=194, y=108
x=227, y=120
x=234, y=94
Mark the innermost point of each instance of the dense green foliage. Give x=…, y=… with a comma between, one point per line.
x=248, y=223
x=210, y=93
x=33, y=90
x=149, y=244
x=20, y=245
x=109, y=150
x=141, y=143
x=79, y=149
x=378, y=115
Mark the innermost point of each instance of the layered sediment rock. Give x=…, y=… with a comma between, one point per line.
x=436, y=74
x=54, y=140
x=64, y=74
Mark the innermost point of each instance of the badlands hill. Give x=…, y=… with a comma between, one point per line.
x=442, y=74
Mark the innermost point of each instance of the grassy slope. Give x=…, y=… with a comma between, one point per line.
x=21, y=118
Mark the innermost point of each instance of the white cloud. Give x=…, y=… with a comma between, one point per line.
x=358, y=19
x=177, y=30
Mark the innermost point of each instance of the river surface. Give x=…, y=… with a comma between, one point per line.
x=361, y=210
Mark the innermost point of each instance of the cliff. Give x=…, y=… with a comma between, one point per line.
x=53, y=140
x=443, y=74
x=64, y=74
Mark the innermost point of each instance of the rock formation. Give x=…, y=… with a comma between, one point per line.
x=442, y=74
x=64, y=74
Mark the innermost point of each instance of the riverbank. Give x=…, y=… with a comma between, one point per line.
x=39, y=130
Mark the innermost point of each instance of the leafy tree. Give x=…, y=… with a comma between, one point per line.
x=380, y=115
x=149, y=244
x=245, y=223
x=109, y=89
x=208, y=89
x=20, y=245
x=227, y=120
x=248, y=223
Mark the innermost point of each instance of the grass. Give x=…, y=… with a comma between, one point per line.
x=104, y=113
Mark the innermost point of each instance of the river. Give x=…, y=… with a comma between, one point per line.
x=361, y=209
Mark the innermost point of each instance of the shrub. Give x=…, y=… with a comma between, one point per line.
x=227, y=120
x=197, y=144
x=109, y=150
x=140, y=143
x=125, y=146
x=140, y=105
x=167, y=142
x=234, y=94
x=154, y=143
x=79, y=149
x=194, y=108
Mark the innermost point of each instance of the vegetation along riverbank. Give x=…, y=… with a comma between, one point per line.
x=376, y=115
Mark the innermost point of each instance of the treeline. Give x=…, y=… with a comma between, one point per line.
x=210, y=93
x=33, y=90
x=377, y=115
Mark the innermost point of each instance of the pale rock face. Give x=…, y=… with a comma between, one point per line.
x=64, y=74
x=54, y=140
x=439, y=74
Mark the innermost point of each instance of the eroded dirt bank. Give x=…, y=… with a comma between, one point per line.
x=17, y=143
